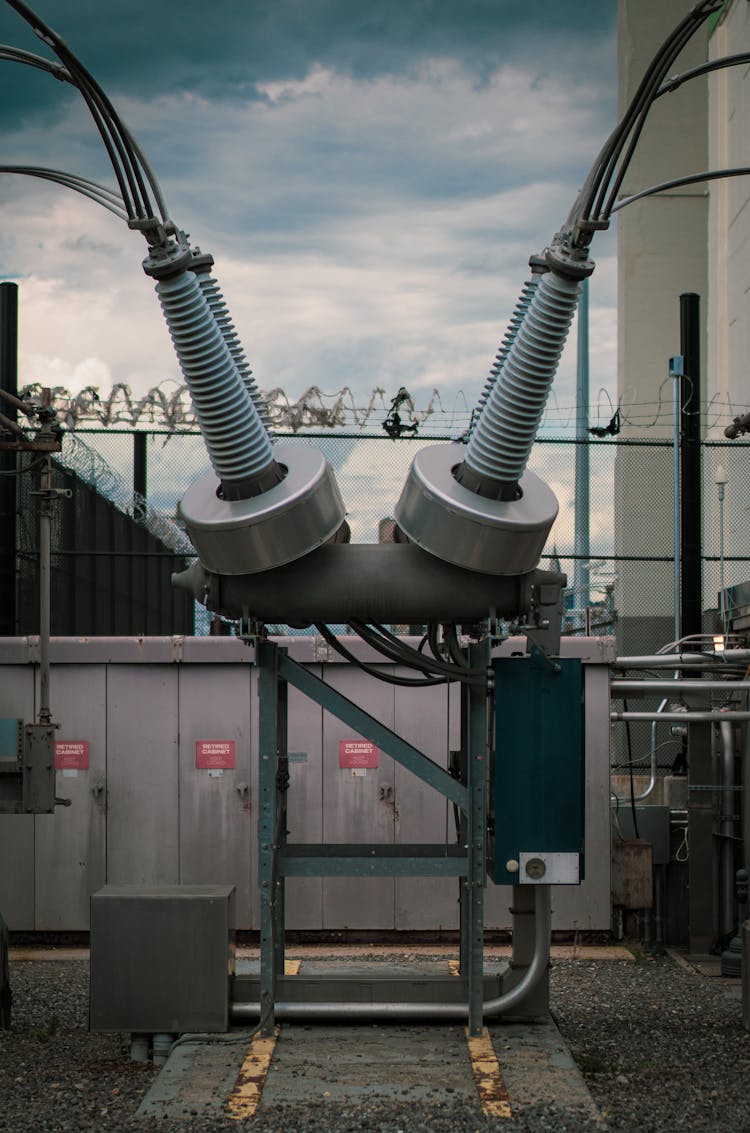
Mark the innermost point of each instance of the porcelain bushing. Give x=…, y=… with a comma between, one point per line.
x=461, y=527
x=287, y=521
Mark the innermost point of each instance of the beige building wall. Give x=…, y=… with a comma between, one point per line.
x=728, y=386
x=662, y=252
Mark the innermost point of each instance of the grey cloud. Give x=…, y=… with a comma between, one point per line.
x=223, y=49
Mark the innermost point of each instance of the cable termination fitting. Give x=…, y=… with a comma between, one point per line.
x=567, y=259
x=166, y=259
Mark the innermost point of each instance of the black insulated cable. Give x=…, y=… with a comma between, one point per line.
x=635, y=118
x=376, y=642
x=677, y=81
x=392, y=679
x=61, y=73
x=100, y=194
x=388, y=644
x=450, y=636
x=637, y=130
x=678, y=182
x=591, y=198
x=115, y=137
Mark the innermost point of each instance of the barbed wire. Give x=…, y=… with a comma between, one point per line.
x=172, y=409
x=167, y=407
x=91, y=467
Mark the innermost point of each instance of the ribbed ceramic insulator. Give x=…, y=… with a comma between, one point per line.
x=210, y=288
x=237, y=442
x=499, y=446
x=514, y=324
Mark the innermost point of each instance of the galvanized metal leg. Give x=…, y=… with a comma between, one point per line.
x=464, y=885
x=268, y=693
x=279, y=840
x=478, y=734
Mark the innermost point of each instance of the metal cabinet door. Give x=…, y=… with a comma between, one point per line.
x=216, y=811
x=422, y=814
x=358, y=806
x=586, y=906
x=70, y=859
x=142, y=775
x=17, y=830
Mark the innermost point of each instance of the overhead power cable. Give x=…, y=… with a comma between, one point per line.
x=597, y=197
x=133, y=174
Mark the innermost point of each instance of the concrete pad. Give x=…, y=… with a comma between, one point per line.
x=342, y=1063
x=539, y=1069
x=197, y=1079
x=26, y=952
x=337, y=1065
x=704, y=964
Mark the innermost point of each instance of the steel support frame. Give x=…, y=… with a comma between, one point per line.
x=276, y=859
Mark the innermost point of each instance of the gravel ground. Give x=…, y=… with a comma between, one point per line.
x=662, y=1048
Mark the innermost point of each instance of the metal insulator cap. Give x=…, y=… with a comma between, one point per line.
x=293, y=517
x=450, y=521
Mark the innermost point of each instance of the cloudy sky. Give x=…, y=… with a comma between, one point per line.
x=370, y=178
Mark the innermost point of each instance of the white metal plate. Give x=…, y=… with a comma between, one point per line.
x=560, y=868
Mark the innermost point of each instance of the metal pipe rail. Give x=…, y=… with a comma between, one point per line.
x=684, y=660
x=697, y=717
x=646, y=687
x=448, y=1012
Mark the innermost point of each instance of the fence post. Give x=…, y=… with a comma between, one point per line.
x=140, y=474
x=690, y=466
x=8, y=483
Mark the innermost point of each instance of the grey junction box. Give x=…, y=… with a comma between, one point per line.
x=162, y=958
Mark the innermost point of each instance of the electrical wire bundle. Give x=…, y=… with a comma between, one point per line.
x=135, y=178
x=597, y=199
x=444, y=665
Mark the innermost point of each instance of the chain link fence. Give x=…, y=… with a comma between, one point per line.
x=620, y=563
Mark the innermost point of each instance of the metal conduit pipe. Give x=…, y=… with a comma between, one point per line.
x=647, y=687
x=652, y=777
x=684, y=660
x=360, y=1012
x=697, y=717
x=652, y=770
x=726, y=830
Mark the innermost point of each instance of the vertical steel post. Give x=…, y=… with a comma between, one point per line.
x=690, y=465
x=266, y=656
x=478, y=736
x=581, y=546
x=140, y=475
x=281, y=786
x=720, y=481
x=8, y=483
x=464, y=888
x=675, y=374
x=45, y=586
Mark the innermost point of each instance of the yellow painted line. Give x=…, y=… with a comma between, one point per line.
x=291, y=967
x=488, y=1077
x=246, y=1095
x=454, y=967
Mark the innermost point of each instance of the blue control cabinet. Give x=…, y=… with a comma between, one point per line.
x=538, y=772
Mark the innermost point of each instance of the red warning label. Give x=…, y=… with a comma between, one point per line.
x=213, y=754
x=72, y=755
x=357, y=753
